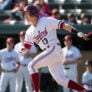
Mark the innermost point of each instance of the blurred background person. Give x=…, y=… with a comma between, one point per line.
x=23, y=73
x=55, y=14
x=41, y=11
x=9, y=65
x=17, y=11
x=71, y=58
x=84, y=19
x=45, y=6
x=87, y=76
x=6, y=4
x=71, y=19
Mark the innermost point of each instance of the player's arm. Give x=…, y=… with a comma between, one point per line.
x=27, y=47
x=59, y=24
x=18, y=65
x=33, y=51
x=32, y=55
x=85, y=81
x=26, y=51
x=69, y=28
x=79, y=60
x=64, y=62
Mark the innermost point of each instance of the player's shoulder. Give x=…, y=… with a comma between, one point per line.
x=14, y=52
x=30, y=29
x=75, y=48
x=3, y=50
x=64, y=48
x=47, y=19
x=18, y=44
x=85, y=73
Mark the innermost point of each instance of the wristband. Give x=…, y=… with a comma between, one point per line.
x=79, y=34
x=74, y=31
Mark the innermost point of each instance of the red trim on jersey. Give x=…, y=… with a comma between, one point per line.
x=28, y=46
x=28, y=42
x=60, y=25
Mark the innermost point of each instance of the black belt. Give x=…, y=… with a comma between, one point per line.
x=48, y=46
x=8, y=70
x=23, y=64
x=67, y=68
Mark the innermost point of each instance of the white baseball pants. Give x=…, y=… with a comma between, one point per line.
x=52, y=58
x=23, y=74
x=7, y=78
x=71, y=74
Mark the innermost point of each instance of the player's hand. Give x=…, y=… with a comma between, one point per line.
x=24, y=51
x=15, y=70
x=82, y=35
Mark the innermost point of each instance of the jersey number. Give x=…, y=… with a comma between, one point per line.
x=45, y=41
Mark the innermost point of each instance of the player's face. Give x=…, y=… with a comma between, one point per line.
x=29, y=18
x=9, y=45
x=68, y=43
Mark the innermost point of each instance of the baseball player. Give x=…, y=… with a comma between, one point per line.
x=9, y=66
x=71, y=57
x=23, y=73
x=87, y=76
x=43, y=33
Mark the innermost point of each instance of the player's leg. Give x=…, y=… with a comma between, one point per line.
x=71, y=73
x=27, y=80
x=12, y=82
x=43, y=59
x=58, y=75
x=74, y=78
x=4, y=81
x=65, y=89
x=19, y=80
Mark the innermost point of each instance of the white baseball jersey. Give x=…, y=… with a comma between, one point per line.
x=23, y=73
x=24, y=59
x=71, y=54
x=8, y=59
x=87, y=80
x=44, y=34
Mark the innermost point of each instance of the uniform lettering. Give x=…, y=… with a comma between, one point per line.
x=69, y=56
x=40, y=36
x=9, y=59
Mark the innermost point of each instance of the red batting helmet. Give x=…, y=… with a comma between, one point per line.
x=22, y=33
x=33, y=11
x=9, y=40
x=67, y=37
